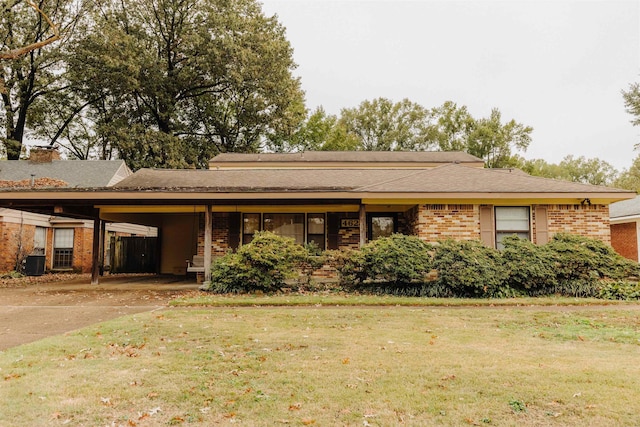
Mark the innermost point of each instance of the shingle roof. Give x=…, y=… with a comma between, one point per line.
x=450, y=178
x=76, y=173
x=625, y=208
x=350, y=157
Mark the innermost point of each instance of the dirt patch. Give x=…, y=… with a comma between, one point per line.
x=33, y=309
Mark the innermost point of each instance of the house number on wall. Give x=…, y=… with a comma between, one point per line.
x=349, y=223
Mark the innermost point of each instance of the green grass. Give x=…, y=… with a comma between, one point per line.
x=348, y=299
x=325, y=365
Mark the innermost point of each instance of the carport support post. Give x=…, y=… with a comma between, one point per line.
x=363, y=225
x=208, y=231
x=95, y=252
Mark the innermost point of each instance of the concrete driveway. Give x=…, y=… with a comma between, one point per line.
x=32, y=312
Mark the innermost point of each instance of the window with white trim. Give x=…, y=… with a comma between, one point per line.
x=512, y=220
x=39, y=241
x=63, y=248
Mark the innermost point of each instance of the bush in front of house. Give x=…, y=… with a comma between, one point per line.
x=470, y=269
x=262, y=265
x=530, y=268
x=397, y=263
x=619, y=290
x=405, y=265
x=582, y=262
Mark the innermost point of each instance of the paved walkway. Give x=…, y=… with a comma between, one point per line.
x=33, y=312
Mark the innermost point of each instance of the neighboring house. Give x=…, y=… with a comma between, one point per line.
x=625, y=227
x=337, y=200
x=66, y=243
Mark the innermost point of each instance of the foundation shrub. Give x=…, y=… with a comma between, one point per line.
x=262, y=265
x=470, y=269
x=581, y=263
x=348, y=263
x=530, y=268
x=619, y=290
x=398, y=264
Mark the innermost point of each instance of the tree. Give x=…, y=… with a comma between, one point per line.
x=452, y=126
x=454, y=129
x=493, y=141
x=23, y=50
x=320, y=132
x=30, y=64
x=588, y=171
x=629, y=179
x=577, y=169
x=384, y=125
x=632, y=102
x=171, y=83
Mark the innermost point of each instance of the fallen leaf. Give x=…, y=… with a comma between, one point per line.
x=308, y=421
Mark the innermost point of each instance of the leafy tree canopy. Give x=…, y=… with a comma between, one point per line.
x=632, y=102
x=382, y=125
x=169, y=83
x=30, y=64
x=577, y=169
x=629, y=179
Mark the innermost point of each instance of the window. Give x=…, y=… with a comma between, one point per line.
x=250, y=225
x=63, y=248
x=316, y=230
x=287, y=225
x=382, y=225
x=303, y=228
x=39, y=241
x=512, y=220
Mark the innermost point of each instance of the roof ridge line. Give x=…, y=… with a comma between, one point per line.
x=396, y=179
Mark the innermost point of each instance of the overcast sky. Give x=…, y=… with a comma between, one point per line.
x=558, y=66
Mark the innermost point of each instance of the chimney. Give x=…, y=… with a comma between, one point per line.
x=43, y=154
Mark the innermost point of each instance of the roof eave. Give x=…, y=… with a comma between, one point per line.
x=141, y=195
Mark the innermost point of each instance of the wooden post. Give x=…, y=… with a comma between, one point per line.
x=95, y=251
x=363, y=225
x=103, y=234
x=208, y=231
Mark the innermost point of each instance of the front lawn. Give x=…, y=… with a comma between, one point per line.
x=325, y=365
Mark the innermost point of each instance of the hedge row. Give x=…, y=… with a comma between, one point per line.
x=405, y=265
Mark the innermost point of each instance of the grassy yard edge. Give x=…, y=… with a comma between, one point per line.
x=357, y=300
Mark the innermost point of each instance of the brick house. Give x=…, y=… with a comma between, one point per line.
x=336, y=200
x=625, y=227
x=66, y=243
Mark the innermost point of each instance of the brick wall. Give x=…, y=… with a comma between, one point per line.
x=439, y=222
x=219, y=234
x=461, y=222
x=624, y=239
x=349, y=238
x=588, y=220
x=12, y=235
x=82, y=249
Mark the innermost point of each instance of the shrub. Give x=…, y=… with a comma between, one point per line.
x=619, y=290
x=470, y=269
x=530, y=268
x=262, y=265
x=396, y=263
x=348, y=263
x=581, y=262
